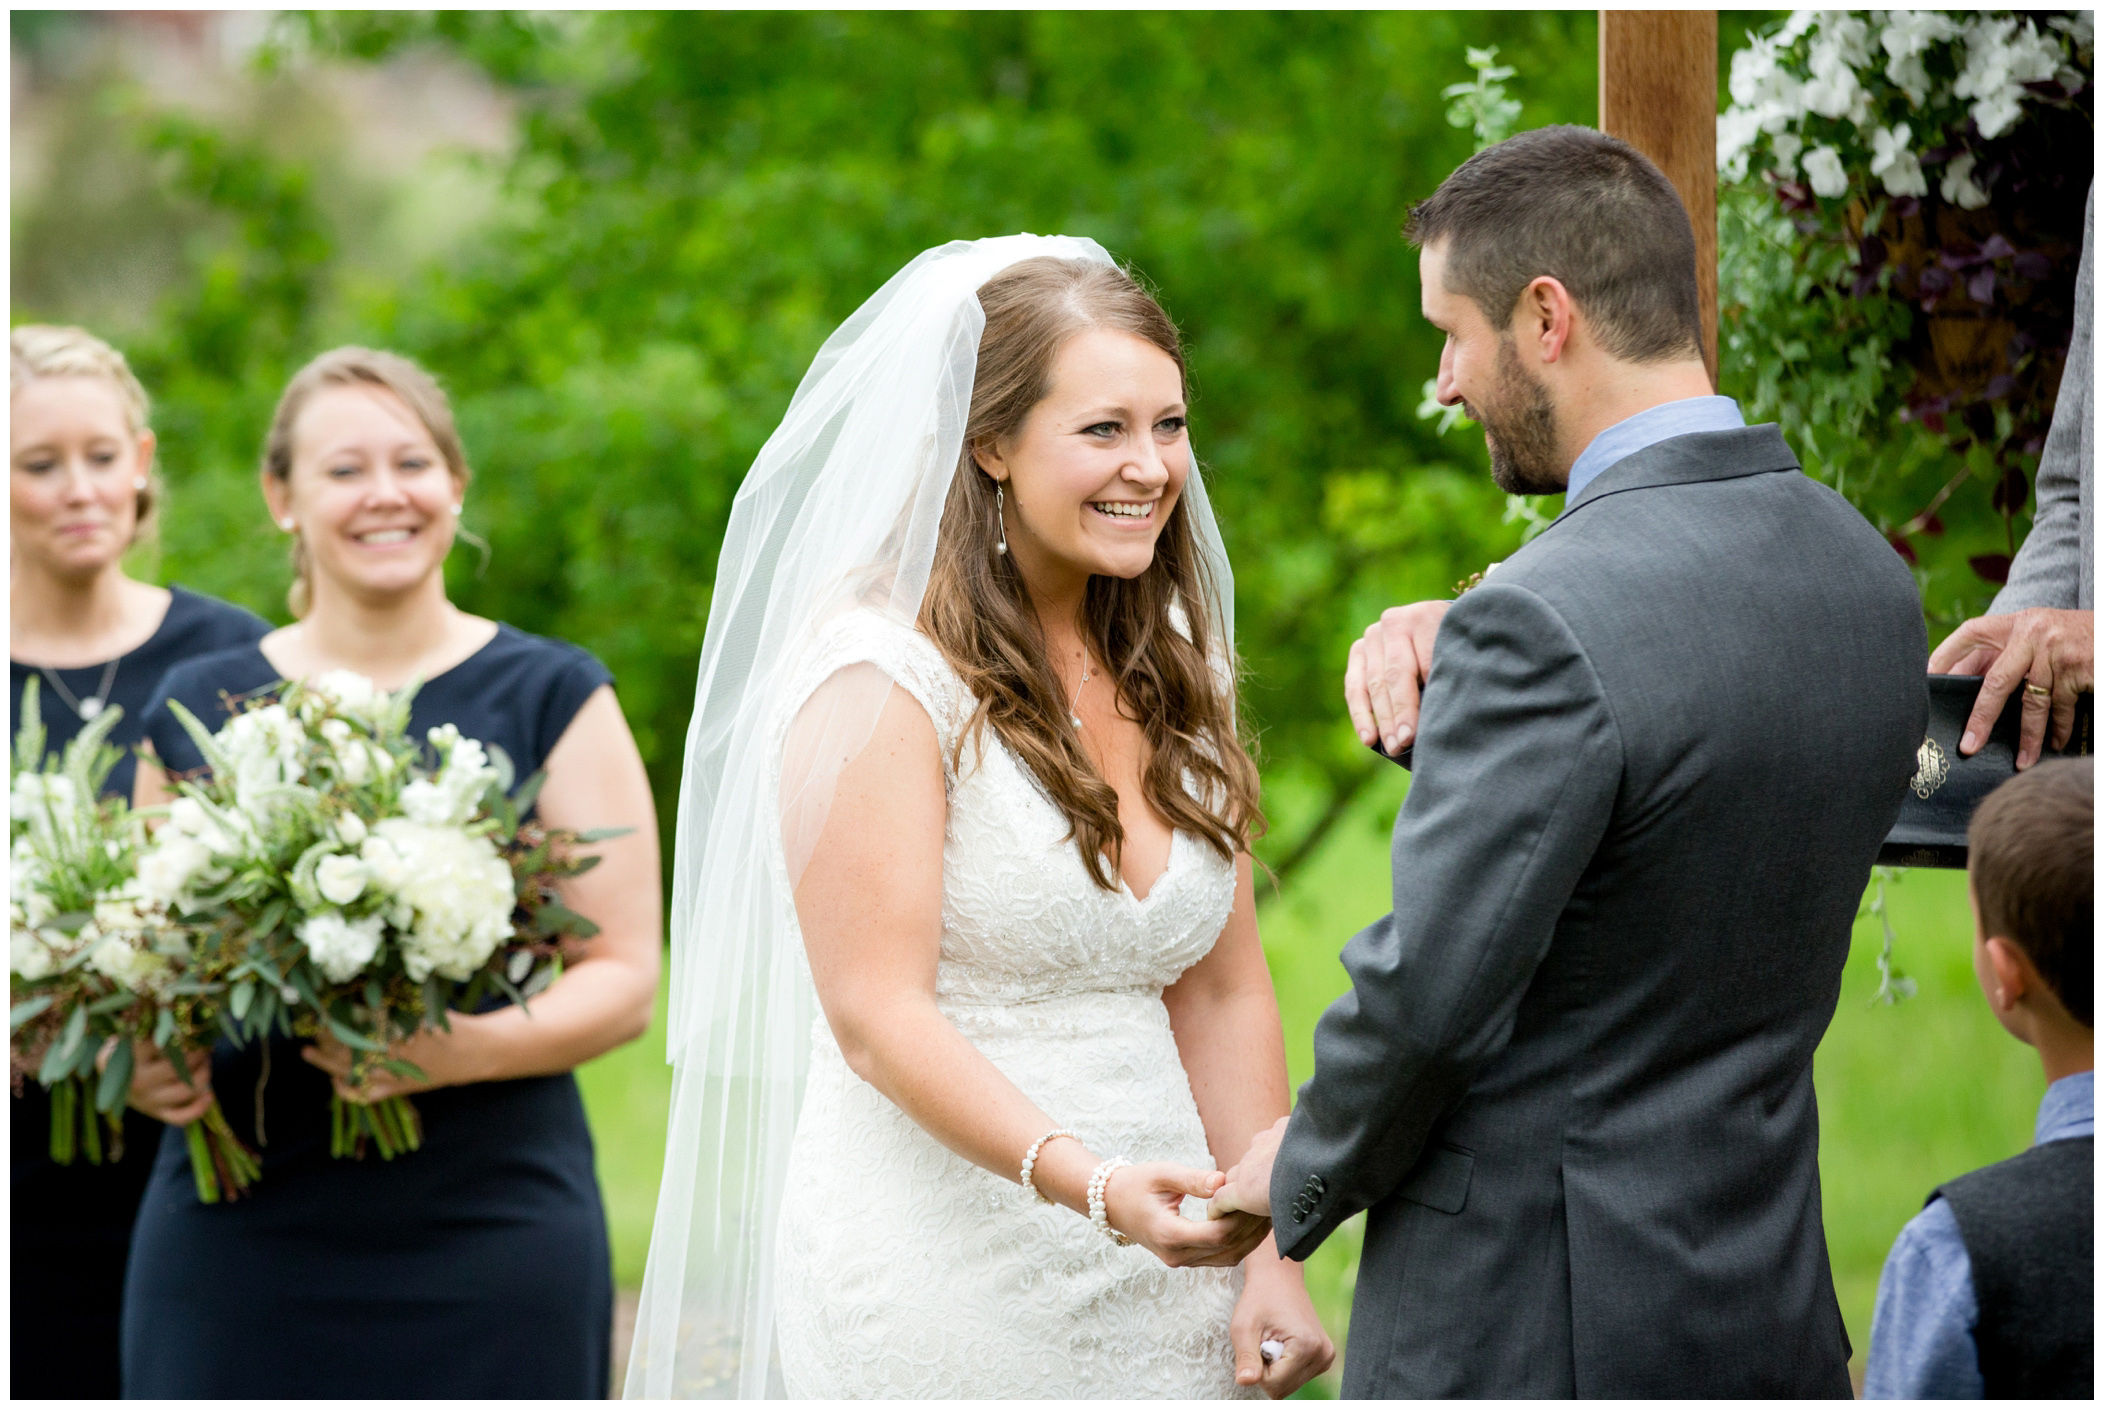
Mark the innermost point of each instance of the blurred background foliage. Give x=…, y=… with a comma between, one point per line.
x=618, y=238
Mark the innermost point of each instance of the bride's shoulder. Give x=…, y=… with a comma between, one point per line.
x=900, y=650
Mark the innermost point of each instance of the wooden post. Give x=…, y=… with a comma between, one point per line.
x=1658, y=93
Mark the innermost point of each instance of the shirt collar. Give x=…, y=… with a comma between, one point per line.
x=1647, y=428
x=2068, y=1109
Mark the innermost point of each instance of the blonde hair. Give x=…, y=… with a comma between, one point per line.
x=1152, y=633
x=51, y=350
x=352, y=367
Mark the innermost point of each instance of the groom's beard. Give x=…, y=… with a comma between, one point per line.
x=1520, y=431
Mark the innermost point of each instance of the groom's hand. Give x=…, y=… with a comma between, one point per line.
x=1248, y=1187
x=1386, y=673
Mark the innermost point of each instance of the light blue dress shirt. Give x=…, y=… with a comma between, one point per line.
x=1921, y=1336
x=1647, y=428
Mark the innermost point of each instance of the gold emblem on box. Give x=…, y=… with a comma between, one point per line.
x=1931, y=767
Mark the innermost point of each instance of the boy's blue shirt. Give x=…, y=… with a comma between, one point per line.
x=1921, y=1336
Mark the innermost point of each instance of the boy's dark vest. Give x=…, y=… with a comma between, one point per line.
x=2027, y=1229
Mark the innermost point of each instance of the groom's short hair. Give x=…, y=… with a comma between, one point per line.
x=1585, y=209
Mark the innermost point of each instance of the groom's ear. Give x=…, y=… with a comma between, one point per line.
x=1546, y=317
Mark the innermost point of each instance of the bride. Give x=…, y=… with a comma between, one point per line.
x=969, y=1003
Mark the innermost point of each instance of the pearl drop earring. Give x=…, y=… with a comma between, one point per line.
x=1000, y=521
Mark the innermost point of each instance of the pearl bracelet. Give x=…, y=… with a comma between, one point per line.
x=1030, y=1160
x=1099, y=1185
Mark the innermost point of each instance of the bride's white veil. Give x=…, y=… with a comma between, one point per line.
x=839, y=511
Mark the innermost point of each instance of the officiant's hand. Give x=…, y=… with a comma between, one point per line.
x=439, y=1055
x=1145, y=1204
x=2048, y=653
x=1386, y=671
x=1247, y=1188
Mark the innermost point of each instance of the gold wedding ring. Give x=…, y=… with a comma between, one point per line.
x=2041, y=691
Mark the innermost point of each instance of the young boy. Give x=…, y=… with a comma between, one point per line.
x=1987, y=1291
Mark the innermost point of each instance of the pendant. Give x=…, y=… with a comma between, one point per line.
x=90, y=706
x=1076, y=719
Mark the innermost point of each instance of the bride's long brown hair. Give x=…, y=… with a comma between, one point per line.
x=1153, y=633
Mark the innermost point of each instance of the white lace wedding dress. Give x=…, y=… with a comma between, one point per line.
x=905, y=1270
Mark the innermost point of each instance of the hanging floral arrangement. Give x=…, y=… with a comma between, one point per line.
x=1935, y=163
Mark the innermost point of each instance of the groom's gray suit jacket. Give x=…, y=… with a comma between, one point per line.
x=1572, y=1082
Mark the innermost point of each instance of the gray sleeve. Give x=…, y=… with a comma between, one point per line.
x=2055, y=567
x=1517, y=766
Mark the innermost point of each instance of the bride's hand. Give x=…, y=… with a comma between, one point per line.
x=1274, y=1307
x=1145, y=1203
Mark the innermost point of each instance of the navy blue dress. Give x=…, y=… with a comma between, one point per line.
x=477, y=1266
x=73, y=1223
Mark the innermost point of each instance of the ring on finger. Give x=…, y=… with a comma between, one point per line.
x=2043, y=692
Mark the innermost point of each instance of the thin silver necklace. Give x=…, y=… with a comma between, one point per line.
x=89, y=706
x=1074, y=709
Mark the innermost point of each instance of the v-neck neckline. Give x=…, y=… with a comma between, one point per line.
x=1154, y=889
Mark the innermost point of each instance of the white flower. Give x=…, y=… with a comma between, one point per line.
x=339, y=878
x=1737, y=130
x=350, y=829
x=340, y=947
x=169, y=870
x=29, y=956
x=123, y=963
x=1958, y=185
x=1786, y=146
x=354, y=694
x=353, y=755
x=1822, y=167
x=1905, y=38
x=34, y=795
x=454, y=895
x=188, y=817
x=2001, y=56
x=453, y=796
x=263, y=748
x=1834, y=90
x=1890, y=159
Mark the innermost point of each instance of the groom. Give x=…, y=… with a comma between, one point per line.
x=1572, y=1081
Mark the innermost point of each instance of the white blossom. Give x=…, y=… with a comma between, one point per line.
x=1891, y=159
x=1905, y=38
x=452, y=797
x=2001, y=56
x=1958, y=185
x=1737, y=130
x=1786, y=146
x=29, y=955
x=171, y=869
x=353, y=694
x=453, y=895
x=263, y=749
x=350, y=829
x=340, y=947
x=1840, y=48
x=340, y=879
x=1822, y=167
x=123, y=963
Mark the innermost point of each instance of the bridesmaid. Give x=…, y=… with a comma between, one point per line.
x=81, y=492
x=477, y=1266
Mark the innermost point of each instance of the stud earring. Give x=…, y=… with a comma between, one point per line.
x=1000, y=522
x=288, y=523
x=139, y=482
x=456, y=510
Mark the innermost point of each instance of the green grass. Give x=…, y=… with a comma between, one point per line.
x=1909, y=1094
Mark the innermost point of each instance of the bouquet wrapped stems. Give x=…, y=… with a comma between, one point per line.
x=222, y=1167
x=391, y=1123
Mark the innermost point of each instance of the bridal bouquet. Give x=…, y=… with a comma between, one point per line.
x=94, y=962
x=368, y=887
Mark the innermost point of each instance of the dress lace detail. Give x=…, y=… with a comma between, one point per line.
x=906, y=1271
